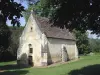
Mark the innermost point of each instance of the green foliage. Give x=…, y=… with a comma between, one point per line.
x=80, y=15
x=94, y=45
x=14, y=43
x=82, y=42
x=39, y=10
x=5, y=36
x=9, y=42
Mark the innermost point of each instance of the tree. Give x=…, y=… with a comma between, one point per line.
x=14, y=43
x=94, y=45
x=39, y=10
x=10, y=10
x=80, y=15
x=9, y=42
x=5, y=38
x=13, y=11
x=82, y=42
x=5, y=34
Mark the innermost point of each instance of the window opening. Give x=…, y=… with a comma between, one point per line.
x=31, y=50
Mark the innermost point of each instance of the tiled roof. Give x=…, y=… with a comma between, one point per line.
x=54, y=32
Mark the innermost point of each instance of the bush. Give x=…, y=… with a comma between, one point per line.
x=9, y=42
x=94, y=45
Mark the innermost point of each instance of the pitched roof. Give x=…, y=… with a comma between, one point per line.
x=54, y=32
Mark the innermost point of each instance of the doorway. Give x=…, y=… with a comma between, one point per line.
x=64, y=54
x=30, y=60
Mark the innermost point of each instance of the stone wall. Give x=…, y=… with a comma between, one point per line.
x=31, y=35
x=55, y=49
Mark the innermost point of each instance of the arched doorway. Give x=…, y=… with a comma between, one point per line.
x=64, y=54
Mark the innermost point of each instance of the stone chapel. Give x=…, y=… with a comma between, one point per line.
x=41, y=45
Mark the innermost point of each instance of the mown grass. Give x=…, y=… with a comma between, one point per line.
x=86, y=65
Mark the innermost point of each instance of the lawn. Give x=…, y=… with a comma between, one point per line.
x=86, y=65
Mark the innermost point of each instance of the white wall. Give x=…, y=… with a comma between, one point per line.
x=55, y=48
x=30, y=36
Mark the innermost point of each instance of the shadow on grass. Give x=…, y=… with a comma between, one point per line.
x=13, y=69
x=88, y=70
x=17, y=72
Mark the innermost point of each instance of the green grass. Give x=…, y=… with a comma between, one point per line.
x=86, y=65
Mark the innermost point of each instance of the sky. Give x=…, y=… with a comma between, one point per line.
x=23, y=22
x=94, y=36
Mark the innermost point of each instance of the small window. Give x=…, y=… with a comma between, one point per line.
x=30, y=45
x=31, y=50
x=31, y=29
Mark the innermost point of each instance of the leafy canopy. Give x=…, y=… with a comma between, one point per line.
x=80, y=15
x=10, y=10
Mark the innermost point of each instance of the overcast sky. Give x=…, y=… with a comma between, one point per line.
x=22, y=19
